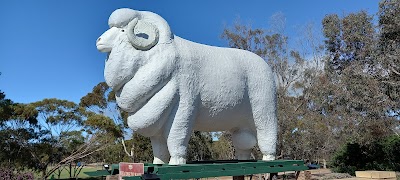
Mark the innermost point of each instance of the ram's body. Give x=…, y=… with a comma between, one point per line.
x=225, y=76
x=178, y=86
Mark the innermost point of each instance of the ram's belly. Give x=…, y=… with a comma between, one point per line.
x=213, y=116
x=224, y=94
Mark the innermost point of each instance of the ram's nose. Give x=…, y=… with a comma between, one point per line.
x=98, y=41
x=102, y=47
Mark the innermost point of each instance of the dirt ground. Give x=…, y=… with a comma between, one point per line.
x=319, y=174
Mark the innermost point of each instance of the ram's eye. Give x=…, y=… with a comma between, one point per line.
x=122, y=30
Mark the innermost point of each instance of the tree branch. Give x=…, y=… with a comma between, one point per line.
x=85, y=150
x=396, y=72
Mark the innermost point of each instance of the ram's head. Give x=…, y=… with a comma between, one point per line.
x=131, y=34
x=125, y=23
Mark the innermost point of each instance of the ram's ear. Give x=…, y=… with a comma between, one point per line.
x=142, y=35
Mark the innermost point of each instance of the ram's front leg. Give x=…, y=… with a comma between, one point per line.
x=160, y=150
x=179, y=130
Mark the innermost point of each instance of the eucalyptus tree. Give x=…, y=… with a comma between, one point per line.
x=389, y=37
x=59, y=116
x=18, y=129
x=200, y=146
x=61, y=120
x=223, y=148
x=389, y=52
x=358, y=102
x=104, y=116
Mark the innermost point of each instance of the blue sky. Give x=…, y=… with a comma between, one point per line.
x=48, y=47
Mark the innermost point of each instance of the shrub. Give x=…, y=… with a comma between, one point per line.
x=379, y=155
x=391, y=148
x=348, y=159
x=10, y=174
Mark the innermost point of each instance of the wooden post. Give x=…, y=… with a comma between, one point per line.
x=297, y=174
x=303, y=175
x=238, y=178
x=112, y=177
x=273, y=176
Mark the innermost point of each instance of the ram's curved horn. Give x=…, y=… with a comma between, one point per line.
x=150, y=34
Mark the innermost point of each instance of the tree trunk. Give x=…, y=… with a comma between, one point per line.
x=70, y=170
x=44, y=174
x=131, y=155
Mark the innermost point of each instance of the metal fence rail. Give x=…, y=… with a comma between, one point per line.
x=207, y=169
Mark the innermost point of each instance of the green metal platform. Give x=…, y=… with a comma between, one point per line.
x=204, y=169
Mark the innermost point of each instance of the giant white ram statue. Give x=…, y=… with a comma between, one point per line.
x=171, y=86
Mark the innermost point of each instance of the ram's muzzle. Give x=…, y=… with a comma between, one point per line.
x=106, y=41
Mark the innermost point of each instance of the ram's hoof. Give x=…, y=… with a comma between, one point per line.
x=177, y=160
x=268, y=157
x=158, y=161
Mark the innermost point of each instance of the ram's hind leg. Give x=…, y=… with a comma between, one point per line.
x=243, y=140
x=262, y=94
x=265, y=120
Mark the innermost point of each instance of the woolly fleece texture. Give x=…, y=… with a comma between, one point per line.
x=178, y=86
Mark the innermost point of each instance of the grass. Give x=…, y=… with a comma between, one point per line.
x=65, y=174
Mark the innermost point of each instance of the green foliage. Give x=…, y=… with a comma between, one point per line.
x=389, y=22
x=14, y=111
x=25, y=112
x=72, y=139
x=142, y=148
x=381, y=155
x=60, y=123
x=103, y=123
x=389, y=47
x=199, y=147
x=223, y=148
x=102, y=111
x=352, y=94
x=391, y=149
x=14, y=146
x=349, y=159
x=6, y=109
x=18, y=127
x=59, y=112
x=97, y=97
x=348, y=39
x=45, y=132
x=105, y=118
